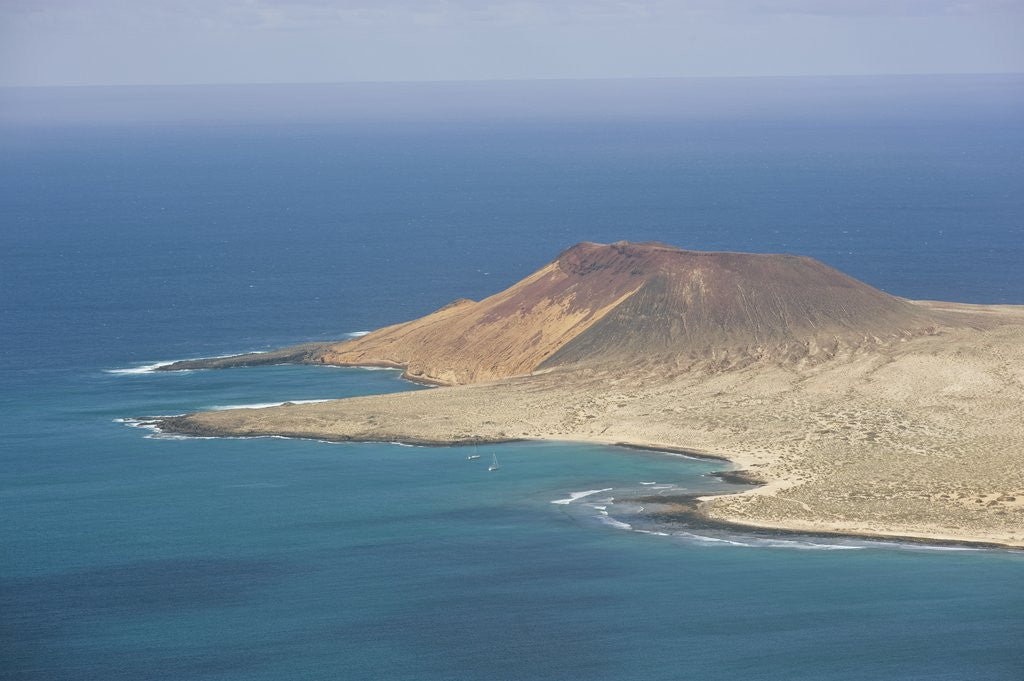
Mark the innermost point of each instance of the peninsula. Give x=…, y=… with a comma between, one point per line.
x=859, y=412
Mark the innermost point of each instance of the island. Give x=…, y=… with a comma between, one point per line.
x=857, y=412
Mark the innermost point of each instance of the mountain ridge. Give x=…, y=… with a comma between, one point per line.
x=631, y=303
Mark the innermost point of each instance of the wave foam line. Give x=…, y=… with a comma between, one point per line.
x=769, y=543
x=144, y=369
x=263, y=405
x=612, y=522
x=150, y=368
x=150, y=424
x=579, y=495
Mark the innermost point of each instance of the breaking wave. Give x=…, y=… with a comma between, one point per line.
x=579, y=495
x=150, y=368
x=144, y=369
x=612, y=522
x=263, y=405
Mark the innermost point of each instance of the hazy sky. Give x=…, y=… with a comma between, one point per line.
x=89, y=42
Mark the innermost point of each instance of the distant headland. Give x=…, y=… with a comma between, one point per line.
x=861, y=413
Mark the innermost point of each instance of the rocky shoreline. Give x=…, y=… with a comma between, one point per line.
x=686, y=510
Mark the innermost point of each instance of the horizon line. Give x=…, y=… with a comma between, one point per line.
x=83, y=86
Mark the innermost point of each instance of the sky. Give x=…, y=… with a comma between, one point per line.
x=163, y=42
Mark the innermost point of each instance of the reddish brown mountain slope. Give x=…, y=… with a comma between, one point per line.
x=699, y=304
x=509, y=333
x=624, y=302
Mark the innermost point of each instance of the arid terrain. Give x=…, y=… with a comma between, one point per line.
x=861, y=412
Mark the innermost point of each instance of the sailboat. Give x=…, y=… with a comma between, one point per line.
x=474, y=456
x=494, y=463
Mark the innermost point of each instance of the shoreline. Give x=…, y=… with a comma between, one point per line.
x=159, y=422
x=404, y=368
x=307, y=354
x=684, y=509
x=669, y=449
x=687, y=506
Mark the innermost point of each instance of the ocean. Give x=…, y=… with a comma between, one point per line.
x=146, y=225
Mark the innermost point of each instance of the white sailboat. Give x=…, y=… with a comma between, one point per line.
x=494, y=463
x=474, y=456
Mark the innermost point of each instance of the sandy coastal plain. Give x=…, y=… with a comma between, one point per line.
x=861, y=413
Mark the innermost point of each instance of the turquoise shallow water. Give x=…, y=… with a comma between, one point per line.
x=128, y=557
x=130, y=242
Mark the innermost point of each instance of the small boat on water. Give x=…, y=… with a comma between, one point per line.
x=494, y=463
x=474, y=456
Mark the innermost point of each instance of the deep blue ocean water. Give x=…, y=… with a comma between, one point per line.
x=126, y=242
